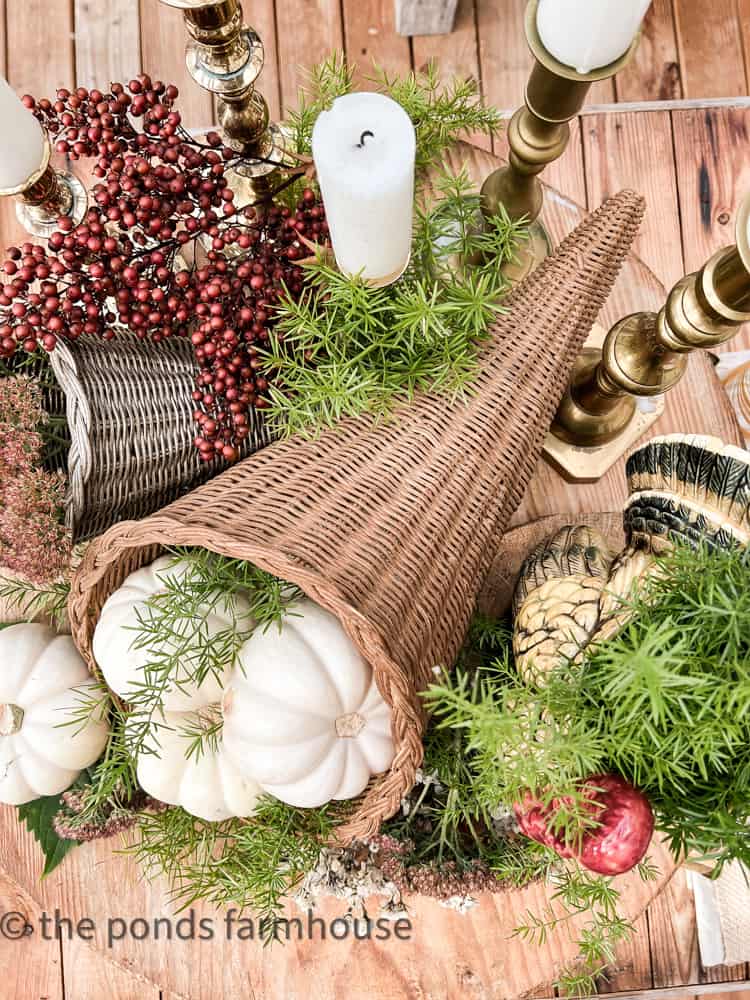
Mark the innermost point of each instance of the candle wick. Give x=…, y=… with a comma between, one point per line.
x=365, y=135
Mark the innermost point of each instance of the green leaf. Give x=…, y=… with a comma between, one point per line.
x=38, y=816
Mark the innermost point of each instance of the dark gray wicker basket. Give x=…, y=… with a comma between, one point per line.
x=130, y=417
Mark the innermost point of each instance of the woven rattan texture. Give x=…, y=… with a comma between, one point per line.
x=390, y=526
x=130, y=415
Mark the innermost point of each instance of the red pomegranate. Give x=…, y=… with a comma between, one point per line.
x=625, y=825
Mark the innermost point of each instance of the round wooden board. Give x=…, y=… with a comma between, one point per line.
x=448, y=955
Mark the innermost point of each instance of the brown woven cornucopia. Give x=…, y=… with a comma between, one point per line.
x=389, y=526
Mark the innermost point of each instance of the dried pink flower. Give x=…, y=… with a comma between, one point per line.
x=33, y=539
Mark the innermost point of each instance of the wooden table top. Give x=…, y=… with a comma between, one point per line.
x=691, y=160
x=446, y=949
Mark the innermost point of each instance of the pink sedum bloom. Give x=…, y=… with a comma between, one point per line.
x=33, y=539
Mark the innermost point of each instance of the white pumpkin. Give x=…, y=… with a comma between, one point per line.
x=124, y=665
x=208, y=786
x=302, y=712
x=44, y=683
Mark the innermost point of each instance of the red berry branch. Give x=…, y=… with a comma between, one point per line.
x=159, y=189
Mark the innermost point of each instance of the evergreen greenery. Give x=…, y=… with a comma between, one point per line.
x=666, y=703
x=441, y=114
x=343, y=348
x=252, y=863
x=31, y=599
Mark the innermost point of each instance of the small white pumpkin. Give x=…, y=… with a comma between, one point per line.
x=208, y=786
x=44, y=683
x=123, y=664
x=302, y=712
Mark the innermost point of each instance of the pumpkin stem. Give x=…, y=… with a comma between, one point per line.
x=351, y=725
x=209, y=716
x=11, y=719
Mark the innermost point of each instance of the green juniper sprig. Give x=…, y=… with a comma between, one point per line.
x=665, y=703
x=31, y=599
x=577, y=893
x=343, y=348
x=440, y=113
x=254, y=863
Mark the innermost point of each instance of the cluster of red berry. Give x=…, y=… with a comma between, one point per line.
x=158, y=190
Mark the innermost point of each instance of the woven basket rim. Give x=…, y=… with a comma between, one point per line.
x=361, y=632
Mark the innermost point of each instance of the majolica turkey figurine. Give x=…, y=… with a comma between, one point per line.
x=692, y=489
x=556, y=602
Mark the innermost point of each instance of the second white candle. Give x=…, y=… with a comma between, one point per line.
x=587, y=34
x=364, y=149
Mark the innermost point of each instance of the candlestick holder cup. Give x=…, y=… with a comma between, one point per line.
x=226, y=57
x=644, y=355
x=538, y=133
x=47, y=195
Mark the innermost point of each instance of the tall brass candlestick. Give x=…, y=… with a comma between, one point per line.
x=538, y=133
x=645, y=354
x=226, y=58
x=47, y=195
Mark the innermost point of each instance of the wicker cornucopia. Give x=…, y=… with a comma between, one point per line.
x=130, y=418
x=390, y=526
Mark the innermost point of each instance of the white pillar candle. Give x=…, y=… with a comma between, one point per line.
x=587, y=34
x=22, y=145
x=364, y=149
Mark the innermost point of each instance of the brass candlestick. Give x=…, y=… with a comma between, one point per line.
x=46, y=195
x=645, y=354
x=538, y=133
x=226, y=58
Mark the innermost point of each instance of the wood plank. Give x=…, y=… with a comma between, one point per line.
x=709, y=42
x=261, y=15
x=635, y=150
x=445, y=951
x=724, y=974
x=654, y=71
x=632, y=969
x=371, y=38
x=713, y=176
x=698, y=402
x=674, y=935
x=36, y=27
x=308, y=32
x=107, y=42
x=505, y=58
x=163, y=39
x=743, y=12
x=91, y=975
x=456, y=55
x=29, y=966
x=425, y=17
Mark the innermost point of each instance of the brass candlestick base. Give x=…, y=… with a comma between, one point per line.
x=538, y=133
x=47, y=195
x=644, y=355
x=226, y=58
